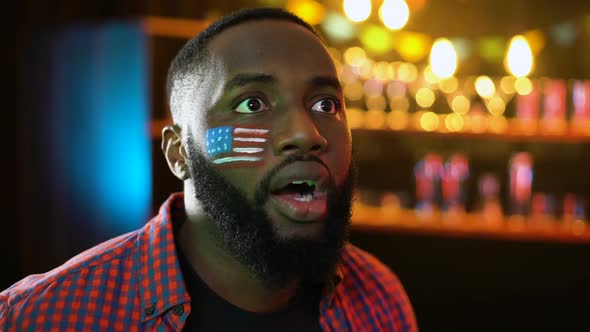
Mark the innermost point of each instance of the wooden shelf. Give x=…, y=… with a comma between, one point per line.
x=514, y=132
x=514, y=135
x=374, y=219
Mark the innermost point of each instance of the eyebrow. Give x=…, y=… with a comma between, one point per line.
x=320, y=81
x=243, y=79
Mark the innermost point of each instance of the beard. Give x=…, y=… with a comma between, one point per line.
x=246, y=232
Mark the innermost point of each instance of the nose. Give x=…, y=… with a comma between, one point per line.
x=297, y=132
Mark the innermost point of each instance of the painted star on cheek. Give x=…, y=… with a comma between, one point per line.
x=241, y=146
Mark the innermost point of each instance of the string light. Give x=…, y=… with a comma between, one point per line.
x=357, y=10
x=443, y=58
x=519, y=58
x=394, y=14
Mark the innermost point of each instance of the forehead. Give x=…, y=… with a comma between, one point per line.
x=276, y=47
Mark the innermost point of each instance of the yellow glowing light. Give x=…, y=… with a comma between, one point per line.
x=425, y=97
x=337, y=27
x=429, y=76
x=498, y=124
x=454, y=122
x=523, y=86
x=347, y=75
x=399, y=103
x=479, y=122
x=365, y=71
x=413, y=47
x=353, y=91
x=507, y=84
x=357, y=10
x=519, y=58
x=496, y=106
x=376, y=39
x=460, y=104
x=397, y=120
x=376, y=103
x=443, y=58
x=310, y=11
x=394, y=13
x=407, y=72
x=396, y=89
x=355, y=117
x=536, y=40
x=374, y=119
x=485, y=86
x=429, y=121
x=355, y=56
x=449, y=85
x=373, y=87
x=383, y=71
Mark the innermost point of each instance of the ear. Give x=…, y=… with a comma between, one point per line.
x=174, y=151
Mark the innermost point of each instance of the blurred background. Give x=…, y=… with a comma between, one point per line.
x=471, y=129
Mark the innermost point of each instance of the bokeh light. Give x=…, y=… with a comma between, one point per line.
x=357, y=10
x=449, y=85
x=375, y=119
x=425, y=97
x=353, y=91
x=523, y=86
x=429, y=121
x=485, y=86
x=337, y=27
x=460, y=104
x=399, y=103
x=373, y=87
x=376, y=39
x=310, y=11
x=519, y=58
x=496, y=106
x=443, y=58
x=394, y=14
x=355, y=56
x=507, y=84
x=376, y=103
x=396, y=89
x=397, y=120
x=413, y=47
x=454, y=122
x=355, y=117
x=407, y=72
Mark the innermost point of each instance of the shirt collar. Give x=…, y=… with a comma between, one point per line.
x=161, y=281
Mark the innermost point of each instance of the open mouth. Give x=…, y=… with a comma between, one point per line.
x=301, y=195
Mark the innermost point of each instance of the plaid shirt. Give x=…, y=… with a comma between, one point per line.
x=134, y=282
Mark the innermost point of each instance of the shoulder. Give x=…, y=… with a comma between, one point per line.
x=369, y=283
x=72, y=276
x=361, y=266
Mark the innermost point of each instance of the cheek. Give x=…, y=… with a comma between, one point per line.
x=236, y=147
x=340, y=152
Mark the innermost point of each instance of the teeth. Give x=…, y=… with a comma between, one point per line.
x=307, y=182
x=305, y=198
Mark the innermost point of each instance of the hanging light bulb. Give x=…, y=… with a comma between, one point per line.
x=357, y=10
x=394, y=14
x=443, y=58
x=519, y=58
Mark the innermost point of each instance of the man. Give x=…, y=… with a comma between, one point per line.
x=257, y=241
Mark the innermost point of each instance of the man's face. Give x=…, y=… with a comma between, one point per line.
x=271, y=162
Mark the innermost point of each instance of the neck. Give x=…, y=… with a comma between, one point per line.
x=221, y=272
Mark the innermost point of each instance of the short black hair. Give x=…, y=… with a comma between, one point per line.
x=191, y=59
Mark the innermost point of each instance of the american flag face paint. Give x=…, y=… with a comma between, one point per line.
x=236, y=146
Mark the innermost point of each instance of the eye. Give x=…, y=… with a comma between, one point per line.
x=326, y=105
x=251, y=105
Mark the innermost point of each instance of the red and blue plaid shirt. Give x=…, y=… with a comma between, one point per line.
x=134, y=282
